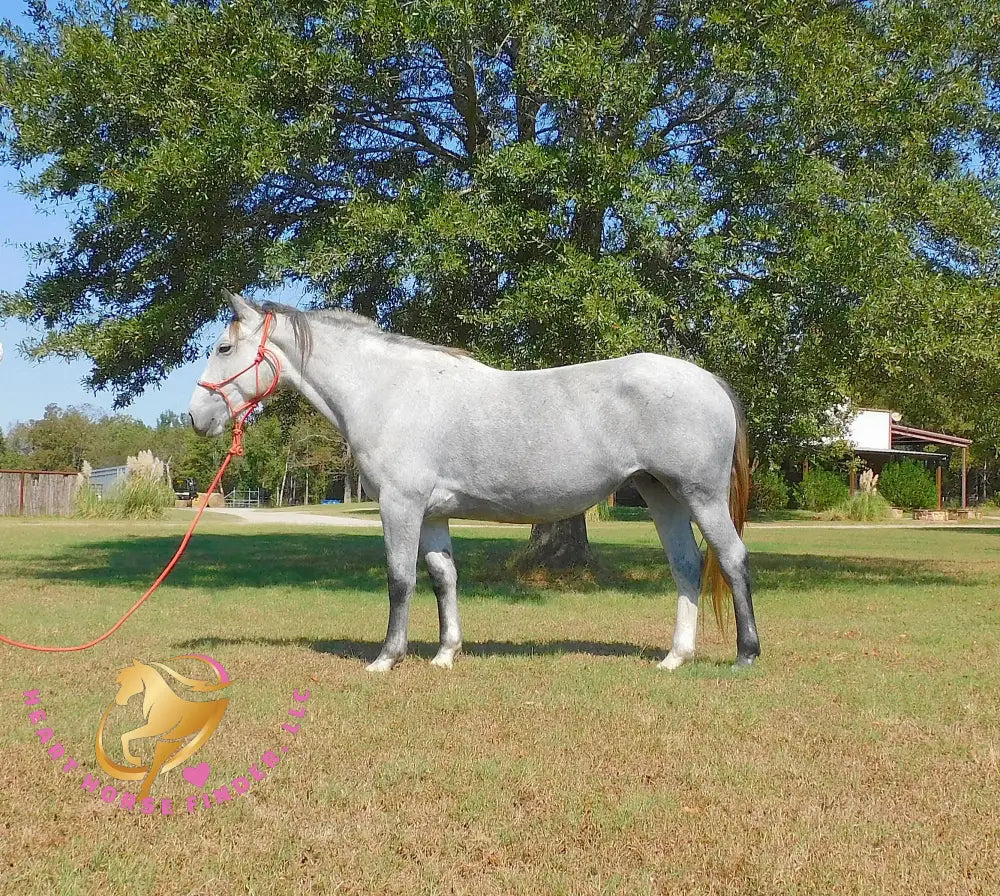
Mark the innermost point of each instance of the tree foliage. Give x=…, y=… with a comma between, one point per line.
x=292, y=451
x=800, y=194
x=62, y=439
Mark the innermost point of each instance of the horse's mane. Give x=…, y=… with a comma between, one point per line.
x=301, y=322
x=300, y=325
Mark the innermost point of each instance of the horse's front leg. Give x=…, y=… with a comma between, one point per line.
x=401, y=520
x=435, y=548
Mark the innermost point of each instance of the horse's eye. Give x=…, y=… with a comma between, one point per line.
x=225, y=349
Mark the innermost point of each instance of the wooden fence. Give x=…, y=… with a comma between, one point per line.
x=37, y=493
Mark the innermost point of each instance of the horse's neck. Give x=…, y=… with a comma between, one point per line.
x=343, y=375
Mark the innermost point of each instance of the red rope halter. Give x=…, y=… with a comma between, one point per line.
x=239, y=414
x=236, y=448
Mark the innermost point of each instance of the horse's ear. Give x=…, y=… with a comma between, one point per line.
x=239, y=305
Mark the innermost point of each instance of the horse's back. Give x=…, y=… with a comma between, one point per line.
x=623, y=394
x=518, y=444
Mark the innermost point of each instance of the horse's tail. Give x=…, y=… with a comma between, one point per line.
x=712, y=581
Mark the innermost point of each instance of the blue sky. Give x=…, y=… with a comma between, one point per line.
x=27, y=386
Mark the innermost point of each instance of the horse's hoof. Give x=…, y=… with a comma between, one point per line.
x=745, y=662
x=671, y=661
x=383, y=664
x=445, y=659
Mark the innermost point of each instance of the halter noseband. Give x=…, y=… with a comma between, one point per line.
x=239, y=414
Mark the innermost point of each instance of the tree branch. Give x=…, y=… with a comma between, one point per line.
x=419, y=137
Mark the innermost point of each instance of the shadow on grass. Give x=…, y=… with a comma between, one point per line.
x=363, y=649
x=356, y=562
x=809, y=572
x=974, y=529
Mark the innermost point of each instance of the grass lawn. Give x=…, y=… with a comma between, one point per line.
x=861, y=755
x=366, y=508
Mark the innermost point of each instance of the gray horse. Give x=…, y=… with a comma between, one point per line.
x=437, y=435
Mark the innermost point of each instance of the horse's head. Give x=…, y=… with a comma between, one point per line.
x=237, y=372
x=129, y=682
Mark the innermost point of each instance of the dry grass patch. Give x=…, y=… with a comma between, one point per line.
x=860, y=755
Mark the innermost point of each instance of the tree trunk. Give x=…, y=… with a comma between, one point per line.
x=559, y=546
x=347, y=474
x=284, y=481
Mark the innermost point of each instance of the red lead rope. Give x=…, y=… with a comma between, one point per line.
x=236, y=448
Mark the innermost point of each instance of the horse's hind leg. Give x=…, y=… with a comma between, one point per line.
x=673, y=525
x=435, y=548
x=734, y=560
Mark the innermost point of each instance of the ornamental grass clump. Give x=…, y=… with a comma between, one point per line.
x=144, y=493
x=865, y=505
x=87, y=500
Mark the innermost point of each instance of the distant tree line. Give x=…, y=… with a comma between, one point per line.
x=290, y=451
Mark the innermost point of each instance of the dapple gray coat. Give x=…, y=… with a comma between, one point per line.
x=437, y=435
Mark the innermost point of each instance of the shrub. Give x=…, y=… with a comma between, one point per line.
x=768, y=491
x=907, y=484
x=863, y=506
x=820, y=490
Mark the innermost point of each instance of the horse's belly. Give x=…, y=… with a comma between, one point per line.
x=537, y=502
